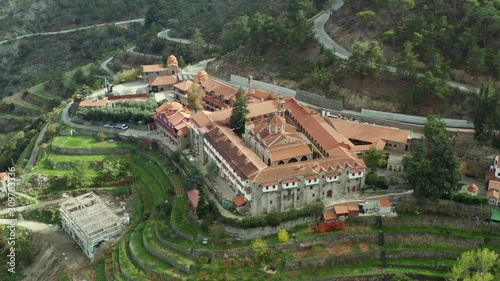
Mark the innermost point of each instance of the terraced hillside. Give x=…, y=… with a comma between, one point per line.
x=424, y=251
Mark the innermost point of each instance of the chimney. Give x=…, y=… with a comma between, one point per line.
x=250, y=84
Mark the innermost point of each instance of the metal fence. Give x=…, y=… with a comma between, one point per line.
x=453, y=123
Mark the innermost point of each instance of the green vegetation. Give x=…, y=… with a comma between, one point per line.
x=24, y=254
x=470, y=199
x=123, y=111
x=478, y=265
x=86, y=142
x=433, y=170
x=486, y=120
x=238, y=116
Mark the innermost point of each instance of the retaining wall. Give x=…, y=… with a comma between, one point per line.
x=424, y=239
x=173, y=262
x=318, y=100
x=253, y=233
x=149, y=272
x=172, y=245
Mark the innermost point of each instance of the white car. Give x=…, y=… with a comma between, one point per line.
x=122, y=126
x=108, y=126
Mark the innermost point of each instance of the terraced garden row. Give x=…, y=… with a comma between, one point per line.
x=153, y=251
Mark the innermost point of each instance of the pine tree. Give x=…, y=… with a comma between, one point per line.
x=407, y=65
x=238, y=117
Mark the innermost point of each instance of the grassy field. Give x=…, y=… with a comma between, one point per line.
x=85, y=142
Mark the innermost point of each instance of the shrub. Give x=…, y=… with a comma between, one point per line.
x=376, y=181
x=328, y=227
x=470, y=199
x=283, y=235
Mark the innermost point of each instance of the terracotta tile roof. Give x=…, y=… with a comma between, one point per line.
x=3, y=176
x=369, y=133
x=352, y=171
x=163, y=80
x=219, y=88
x=492, y=184
x=194, y=197
x=152, y=68
x=317, y=127
x=352, y=207
x=340, y=209
x=162, y=108
x=184, y=85
x=331, y=175
x=492, y=193
x=262, y=94
x=239, y=200
x=215, y=102
x=380, y=145
x=93, y=103
x=312, y=177
x=255, y=110
x=329, y=216
x=200, y=119
x=473, y=188
x=244, y=161
x=277, y=121
x=306, y=168
x=384, y=202
x=269, y=183
x=175, y=118
x=290, y=152
x=183, y=131
x=290, y=180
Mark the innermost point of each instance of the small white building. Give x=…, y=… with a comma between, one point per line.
x=89, y=221
x=384, y=205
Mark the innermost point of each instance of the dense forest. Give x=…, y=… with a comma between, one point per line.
x=444, y=34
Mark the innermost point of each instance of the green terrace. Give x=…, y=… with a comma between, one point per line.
x=87, y=142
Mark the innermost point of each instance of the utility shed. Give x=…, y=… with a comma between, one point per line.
x=89, y=221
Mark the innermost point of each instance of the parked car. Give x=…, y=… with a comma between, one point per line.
x=108, y=126
x=122, y=126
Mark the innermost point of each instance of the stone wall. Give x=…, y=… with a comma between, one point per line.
x=149, y=272
x=253, y=233
x=320, y=101
x=419, y=254
x=172, y=245
x=348, y=259
x=171, y=261
x=377, y=277
x=318, y=262
x=424, y=239
x=89, y=151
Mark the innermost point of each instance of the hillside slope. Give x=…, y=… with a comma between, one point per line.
x=18, y=17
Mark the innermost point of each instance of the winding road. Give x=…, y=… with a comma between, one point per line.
x=323, y=38
x=141, y=20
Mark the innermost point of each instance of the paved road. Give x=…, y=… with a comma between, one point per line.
x=141, y=20
x=104, y=65
x=31, y=225
x=35, y=151
x=38, y=205
x=164, y=35
x=131, y=50
x=339, y=51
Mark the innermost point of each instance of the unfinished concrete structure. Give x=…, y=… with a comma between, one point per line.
x=89, y=221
